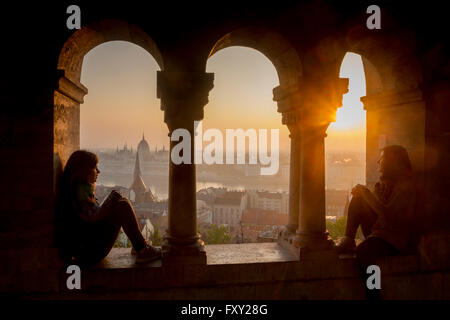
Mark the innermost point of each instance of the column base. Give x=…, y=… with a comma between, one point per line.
x=286, y=240
x=291, y=229
x=177, y=252
x=314, y=246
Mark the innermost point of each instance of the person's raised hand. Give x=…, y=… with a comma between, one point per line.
x=358, y=189
x=116, y=194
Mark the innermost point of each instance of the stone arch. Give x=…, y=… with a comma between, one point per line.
x=270, y=43
x=88, y=37
x=394, y=99
x=286, y=60
x=70, y=92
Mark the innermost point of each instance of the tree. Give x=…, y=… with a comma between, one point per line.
x=119, y=244
x=216, y=234
x=336, y=229
x=156, y=236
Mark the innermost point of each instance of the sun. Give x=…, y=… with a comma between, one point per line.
x=351, y=115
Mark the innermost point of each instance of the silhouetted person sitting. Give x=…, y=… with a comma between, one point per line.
x=386, y=216
x=86, y=231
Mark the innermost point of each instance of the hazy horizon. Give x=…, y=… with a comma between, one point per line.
x=121, y=104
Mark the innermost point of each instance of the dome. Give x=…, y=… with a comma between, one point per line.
x=143, y=147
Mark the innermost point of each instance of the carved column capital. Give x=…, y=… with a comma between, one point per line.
x=392, y=98
x=73, y=90
x=288, y=98
x=307, y=104
x=183, y=96
x=291, y=120
x=342, y=86
x=316, y=131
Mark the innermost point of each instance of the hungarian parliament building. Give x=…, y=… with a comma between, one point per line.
x=117, y=167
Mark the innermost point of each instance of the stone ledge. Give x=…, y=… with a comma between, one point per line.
x=396, y=265
x=236, y=264
x=259, y=264
x=253, y=277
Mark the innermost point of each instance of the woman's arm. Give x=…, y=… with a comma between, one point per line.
x=87, y=204
x=396, y=212
x=371, y=200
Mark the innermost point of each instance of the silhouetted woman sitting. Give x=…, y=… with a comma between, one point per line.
x=85, y=230
x=386, y=215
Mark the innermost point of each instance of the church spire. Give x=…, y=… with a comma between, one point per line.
x=138, y=185
x=137, y=167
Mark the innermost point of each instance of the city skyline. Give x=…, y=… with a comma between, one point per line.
x=121, y=104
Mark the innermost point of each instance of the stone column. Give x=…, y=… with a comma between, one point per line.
x=311, y=233
x=67, y=98
x=289, y=100
x=319, y=109
x=294, y=173
x=183, y=96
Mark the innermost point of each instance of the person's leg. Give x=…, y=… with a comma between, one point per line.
x=103, y=234
x=126, y=217
x=144, y=252
x=367, y=254
x=359, y=214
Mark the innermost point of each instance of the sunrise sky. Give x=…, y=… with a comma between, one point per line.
x=122, y=104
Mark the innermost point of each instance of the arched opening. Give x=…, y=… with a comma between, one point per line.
x=118, y=62
x=394, y=100
x=345, y=146
x=394, y=111
x=70, y=91
x=121, y=116
x=120, y=121
x=248, y=64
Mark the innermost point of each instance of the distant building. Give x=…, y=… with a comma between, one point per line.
x=101, y=192
x=259, y=225
x=123, y=153
x=227, y=209
x=277, y=201
x=344, y=170
x=161, y=155
x=204, y=213
x=138, y=189
x=336, y=202
x=144, y=149
x=263, y=218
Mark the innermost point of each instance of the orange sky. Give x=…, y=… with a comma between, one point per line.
x=122, y=104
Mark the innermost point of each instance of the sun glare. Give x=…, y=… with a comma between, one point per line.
x=349, y=130
x=351, y=115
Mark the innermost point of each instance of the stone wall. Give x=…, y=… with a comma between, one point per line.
x=39, y=127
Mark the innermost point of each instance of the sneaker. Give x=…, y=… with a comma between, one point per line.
x=346, y=246
x=133, y=250
x=148, y=254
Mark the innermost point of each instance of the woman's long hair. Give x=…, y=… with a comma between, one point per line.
x=66, y=216
x=398, y=162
